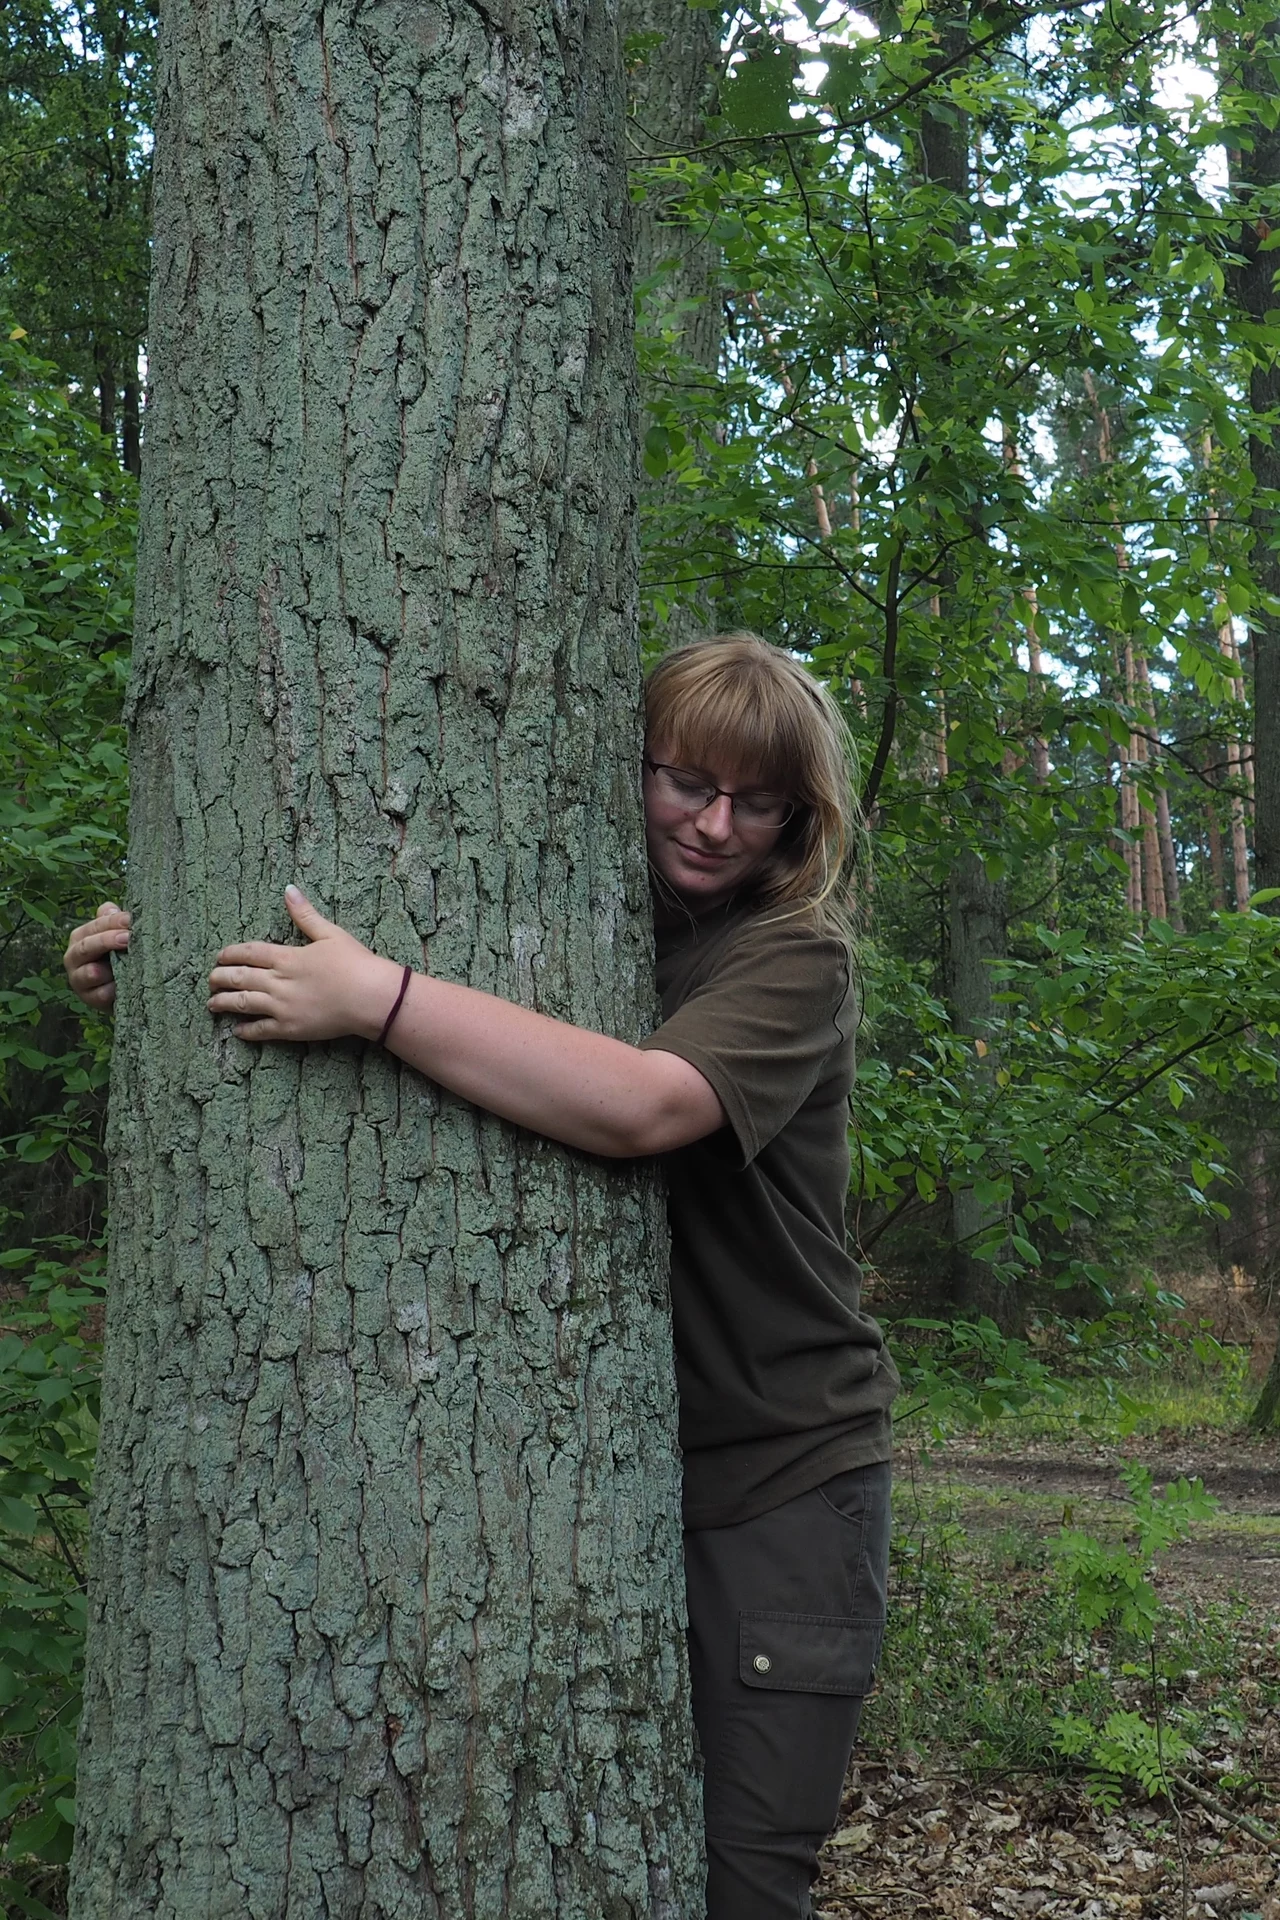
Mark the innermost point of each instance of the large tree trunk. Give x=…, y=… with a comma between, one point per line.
x=386, y=1609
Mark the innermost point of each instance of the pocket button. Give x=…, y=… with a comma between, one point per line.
x=762, y=1663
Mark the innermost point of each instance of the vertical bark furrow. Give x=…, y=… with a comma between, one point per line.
x=386, y=1607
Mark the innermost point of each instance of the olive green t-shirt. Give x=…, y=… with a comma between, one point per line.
x=783, y=1380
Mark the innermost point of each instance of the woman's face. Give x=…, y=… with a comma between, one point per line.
x=704, y=857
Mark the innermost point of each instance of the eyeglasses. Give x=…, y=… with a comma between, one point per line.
x=677, y=787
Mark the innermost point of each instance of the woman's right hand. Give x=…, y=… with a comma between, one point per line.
x=88, y=956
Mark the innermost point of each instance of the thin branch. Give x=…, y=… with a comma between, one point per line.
x=63, y=1548
x=1224, y=1812
x=889, y=718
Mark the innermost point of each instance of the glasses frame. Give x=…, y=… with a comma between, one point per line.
x=715, y=793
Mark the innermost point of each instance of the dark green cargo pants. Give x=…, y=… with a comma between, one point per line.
x=786, y=1615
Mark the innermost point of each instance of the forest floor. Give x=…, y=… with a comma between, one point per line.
x=957, y=1804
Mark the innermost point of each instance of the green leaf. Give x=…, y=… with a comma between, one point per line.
x=757, y=96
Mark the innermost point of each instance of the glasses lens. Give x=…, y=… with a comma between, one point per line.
x=683, y=789
x=762, y=809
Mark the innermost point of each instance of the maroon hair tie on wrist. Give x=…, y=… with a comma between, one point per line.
x=389, y=1022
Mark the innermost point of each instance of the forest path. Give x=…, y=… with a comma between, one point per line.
x=921, y=1834
x=1033, y=1485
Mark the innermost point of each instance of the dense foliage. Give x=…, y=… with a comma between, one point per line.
x=66, y=556
x=979, y=449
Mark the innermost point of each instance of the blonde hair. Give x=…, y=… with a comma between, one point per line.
x=732, y=700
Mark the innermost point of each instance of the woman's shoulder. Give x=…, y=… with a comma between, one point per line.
x=797, y=926
x=790, y=948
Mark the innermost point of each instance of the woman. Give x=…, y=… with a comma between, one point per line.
x=785, y=1385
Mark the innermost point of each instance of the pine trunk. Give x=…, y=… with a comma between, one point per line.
x=386, y=1606
x=977, y=937
x=976, y=905
x=1255, y=173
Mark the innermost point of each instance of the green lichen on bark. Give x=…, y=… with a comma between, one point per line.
x=386, y=1605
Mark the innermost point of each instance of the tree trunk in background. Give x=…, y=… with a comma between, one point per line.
x=1255, y=170
x=976, y=907
x=976, y=938
x=944, y=137
x=674, y=71
x=1216, y=874
x=386, y=1607
x=672, y=85
x=131, y=429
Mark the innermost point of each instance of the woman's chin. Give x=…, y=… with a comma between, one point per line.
x=702, y=886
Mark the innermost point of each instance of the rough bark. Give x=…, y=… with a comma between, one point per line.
x=386, y=1600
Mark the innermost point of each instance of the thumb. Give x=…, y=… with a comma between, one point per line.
x=306, y=918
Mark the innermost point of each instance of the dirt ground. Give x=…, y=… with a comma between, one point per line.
x=917, y=1838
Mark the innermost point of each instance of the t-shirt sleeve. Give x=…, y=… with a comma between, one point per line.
x=762, y=1025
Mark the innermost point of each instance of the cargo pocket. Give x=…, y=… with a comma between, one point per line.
x=808, y=1652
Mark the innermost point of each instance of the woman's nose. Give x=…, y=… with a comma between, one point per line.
x=716, y=819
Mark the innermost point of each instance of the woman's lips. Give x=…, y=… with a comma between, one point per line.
x=702, y=858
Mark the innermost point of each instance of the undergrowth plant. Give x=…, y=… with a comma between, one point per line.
x=49, y=1375
x=1110, y=1587
x=1015, y=1654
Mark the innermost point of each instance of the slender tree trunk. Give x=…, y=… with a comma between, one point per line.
x=106, y=378
x=1239, y=753
x=1153, y=849
x=130, y=429
x=1255, y=174
x=673, y=80
x=386, y=1605
x=675, y=64
x=976, y=906
x=1216, y=875
x=976, y=939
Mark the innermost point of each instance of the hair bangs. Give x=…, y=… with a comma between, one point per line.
x=727, y=721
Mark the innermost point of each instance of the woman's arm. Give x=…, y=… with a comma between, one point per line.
x=585, y=1089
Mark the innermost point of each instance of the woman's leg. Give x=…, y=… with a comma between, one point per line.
x=786, y=1614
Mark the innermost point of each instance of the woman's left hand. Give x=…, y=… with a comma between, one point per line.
x=331, y=987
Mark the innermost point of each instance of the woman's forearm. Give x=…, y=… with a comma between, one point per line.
x=585, y=1089
x=582, y=1088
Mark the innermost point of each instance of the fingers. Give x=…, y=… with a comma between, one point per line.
x=259, y=1030
x=91, y=943
x=103, y=996
x=243, y=1000
x=254, y=953
x=306, y=918
x=87, y=960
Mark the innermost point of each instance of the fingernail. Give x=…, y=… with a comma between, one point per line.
x=293, y=893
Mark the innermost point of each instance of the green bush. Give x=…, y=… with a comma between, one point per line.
x=49, y=1374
